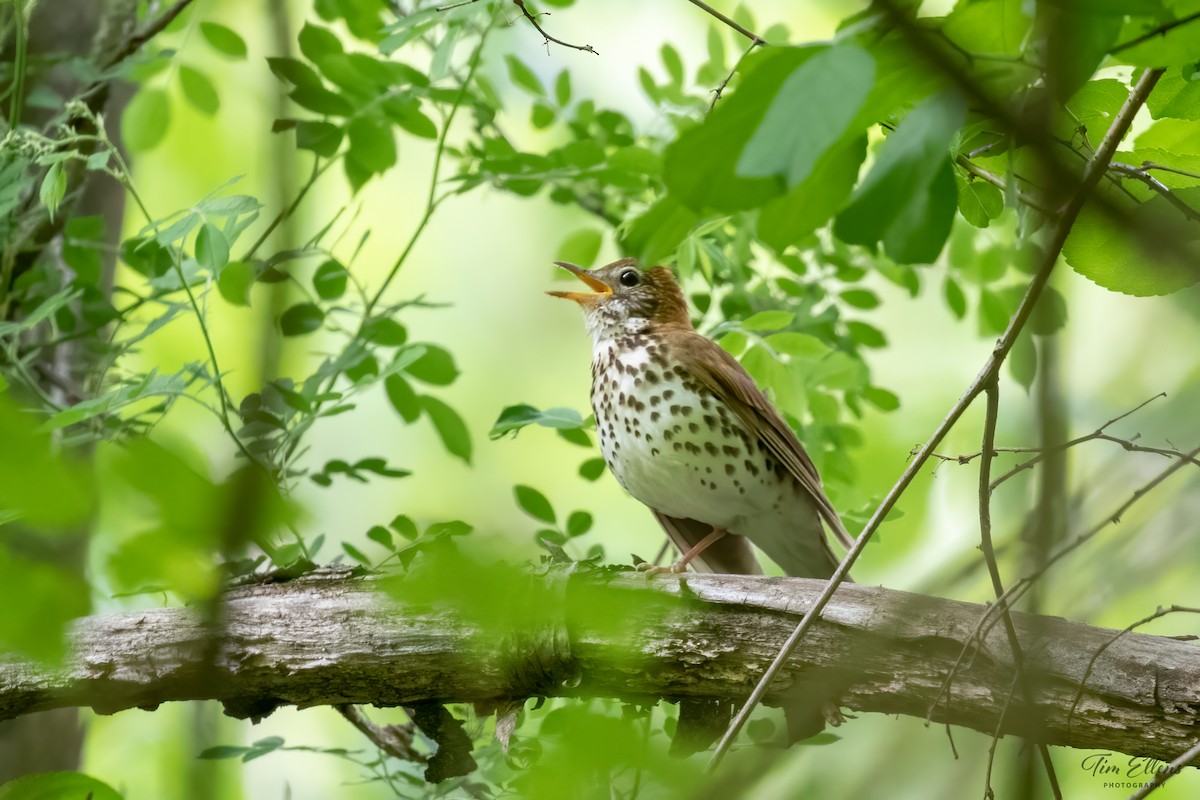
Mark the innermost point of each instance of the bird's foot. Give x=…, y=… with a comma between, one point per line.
x=833, y=714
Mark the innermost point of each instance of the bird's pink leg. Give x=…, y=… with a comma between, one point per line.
x=686, y=558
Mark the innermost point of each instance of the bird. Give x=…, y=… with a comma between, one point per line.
x=687, y=432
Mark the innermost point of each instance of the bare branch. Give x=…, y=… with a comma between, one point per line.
x=1159, y=31
x=1140, y=174
x=753, y=37
x=331, y=639
x=533, y=20
x=717, y=92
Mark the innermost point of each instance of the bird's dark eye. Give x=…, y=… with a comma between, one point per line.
x=629, y=277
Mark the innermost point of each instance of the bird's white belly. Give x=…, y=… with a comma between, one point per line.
x=677, y=451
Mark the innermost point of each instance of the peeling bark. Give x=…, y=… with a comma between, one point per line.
x=329, y=638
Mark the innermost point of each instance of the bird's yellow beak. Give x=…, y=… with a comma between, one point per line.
x=600, y=289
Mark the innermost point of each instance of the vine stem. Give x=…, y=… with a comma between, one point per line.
x=991, y=369
x=432, y=200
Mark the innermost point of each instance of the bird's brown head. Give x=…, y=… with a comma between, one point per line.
x=627, y=299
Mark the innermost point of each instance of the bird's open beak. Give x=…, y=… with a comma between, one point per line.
x=600, y=289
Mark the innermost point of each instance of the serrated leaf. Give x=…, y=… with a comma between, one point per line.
x=979, y=202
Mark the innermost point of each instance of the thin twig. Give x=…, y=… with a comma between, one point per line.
x=533, y=20
x=1058, y=235
x=1166, y=773
x=991, y=419
x=1018, y=589
x=1150, y=34
x=721, y=87
x=753, y=37
x=988, y=794
x=994, y=179
x=395, y=740
x=1159, y=613
x=1164, y=168
x=1140, y=174
x=135, y=42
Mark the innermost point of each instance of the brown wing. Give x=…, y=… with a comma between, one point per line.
x=730, y=555
x=726, y=378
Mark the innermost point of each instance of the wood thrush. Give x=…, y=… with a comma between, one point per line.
x=686, y=431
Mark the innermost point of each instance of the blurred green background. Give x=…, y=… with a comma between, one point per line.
x=487, y=256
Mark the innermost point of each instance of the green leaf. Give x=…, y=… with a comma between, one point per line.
x=385, y=331
x=450, y=427
x=357, y=555
x=436, y=366
x=579, y=523
x=768, y=321
x=811, y=203
x=212, y=250
x=655, y=234
x=523, y=76
x=860, y=298
x=317, y=42
x=979, y=201
x=534, y=503
x=812, y=111
x=881, y=398
x=1022, y=360
x=514, y=418
x=57, y=786
x=580, y=247
x=235, y=281
x=329, y=280
x=301, y=319
x=381, y=535
x=562, y=88
x=223, y=39
x=54, y=188
x=907, y=200
x=1050, y=313
x=295, y=72
x=955, y=299
x=1113, y=257
x=198, y=90
x=322, y=138
x=989, y=27
x=144, y=122
x=1177, y=47
x=541, y=116
x=404, y=526
x=372, y=145
x=1176, y=95
x=591, y=469
x=402, y=397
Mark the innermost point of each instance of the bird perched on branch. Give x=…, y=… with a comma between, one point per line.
x=686, y=431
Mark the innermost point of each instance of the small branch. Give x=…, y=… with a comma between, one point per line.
x=1159, y=31
x=1140, y=174
x=1164, y=775
x=1020, y=677
x=721, y=87
x=753, y=37
x=395, y=740
x=994, y=179
x=533, y=20
x=135, y=42
x=1151, y=165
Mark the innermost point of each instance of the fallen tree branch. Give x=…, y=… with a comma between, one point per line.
x=331, y=639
